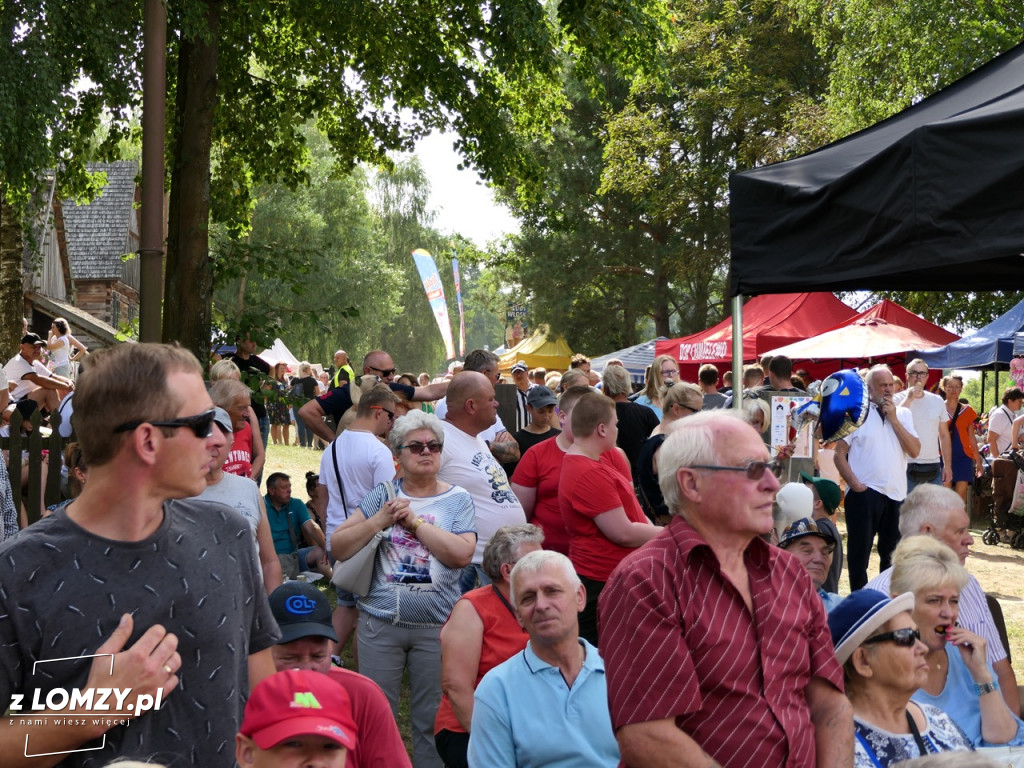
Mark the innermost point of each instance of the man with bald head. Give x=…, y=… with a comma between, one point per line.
x=378, y=364
x=467, y=461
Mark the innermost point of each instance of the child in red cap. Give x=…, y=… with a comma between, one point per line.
x=295, y=718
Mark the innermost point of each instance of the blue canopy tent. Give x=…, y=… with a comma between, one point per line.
x=636, y=359
x=988, y=347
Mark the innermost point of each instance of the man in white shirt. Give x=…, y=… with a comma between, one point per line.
x=1000, y=421
x=500, y=441
x=30, y=381
x=467, y=462
x=931, y=422
x=351, y=466
x=873, y=462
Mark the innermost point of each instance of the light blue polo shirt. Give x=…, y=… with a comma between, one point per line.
x=525, y=716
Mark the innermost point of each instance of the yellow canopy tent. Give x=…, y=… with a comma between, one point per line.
x=543, y=349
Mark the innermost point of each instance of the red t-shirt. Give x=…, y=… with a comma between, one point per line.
x=589, y=488
x=239, y=461
x=503, y=638
x=678, y=642
x=378, y=741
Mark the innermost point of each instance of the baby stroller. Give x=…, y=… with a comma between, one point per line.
x=1006, y=524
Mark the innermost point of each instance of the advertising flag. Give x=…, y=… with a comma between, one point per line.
x=462, y=313
x=435, y=295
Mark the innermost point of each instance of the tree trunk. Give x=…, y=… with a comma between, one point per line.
x=12, y=294
x=188, y=291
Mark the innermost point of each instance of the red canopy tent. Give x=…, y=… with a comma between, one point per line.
x=768, y=321
x=882, y=334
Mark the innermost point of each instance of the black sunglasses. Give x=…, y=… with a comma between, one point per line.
x=391, y=414
x=754, y=469
x=201, y=424
x=385, y=372
x=901, y=637
x=433, y=446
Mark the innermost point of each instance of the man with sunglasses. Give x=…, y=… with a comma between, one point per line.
x=716, y=648
x=873, y=462
x=355, y=463
x=125, y=588
x=377, y=364
x=931, y=422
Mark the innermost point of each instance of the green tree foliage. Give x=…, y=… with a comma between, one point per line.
x=958, y=310
x=630, y=228
x=885, y=56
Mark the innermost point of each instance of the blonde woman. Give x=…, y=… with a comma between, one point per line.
x=664, y=372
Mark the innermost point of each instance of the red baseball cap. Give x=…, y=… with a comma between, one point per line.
x=298, y=702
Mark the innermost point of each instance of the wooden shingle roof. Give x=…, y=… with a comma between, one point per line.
x=98, y=232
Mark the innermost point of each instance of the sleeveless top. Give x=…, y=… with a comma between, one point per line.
x=502, y=639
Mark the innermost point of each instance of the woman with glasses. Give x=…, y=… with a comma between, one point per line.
x=958, y=677
x=664, y=372
x=884, y=663
x=680, y=400
x=428, y=530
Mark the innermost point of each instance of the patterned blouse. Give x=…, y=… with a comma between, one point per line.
x=875, y=748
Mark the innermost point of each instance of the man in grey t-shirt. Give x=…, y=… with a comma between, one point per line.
x=126, y=589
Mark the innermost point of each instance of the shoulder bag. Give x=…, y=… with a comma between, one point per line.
x=355, y=574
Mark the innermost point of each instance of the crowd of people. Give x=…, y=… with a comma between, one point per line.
x=612, y=578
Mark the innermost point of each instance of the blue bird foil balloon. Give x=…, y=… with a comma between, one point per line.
x=844, y=405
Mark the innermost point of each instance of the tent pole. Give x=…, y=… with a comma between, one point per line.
x=983, y=391
x=737, y=351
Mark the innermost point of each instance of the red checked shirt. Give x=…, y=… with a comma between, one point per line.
x=678, y=641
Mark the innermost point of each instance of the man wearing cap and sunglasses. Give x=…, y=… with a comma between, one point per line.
x=31, y=383
x=131, y=590
x=716, y=648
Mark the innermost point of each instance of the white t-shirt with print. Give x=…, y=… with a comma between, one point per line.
x=467, y=462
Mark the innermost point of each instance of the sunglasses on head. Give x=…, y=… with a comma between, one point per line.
x=755, y=469
x=901, y=637
x=201, y=424
x=433, y=446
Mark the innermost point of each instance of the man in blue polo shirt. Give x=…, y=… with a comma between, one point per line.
x=548, y=704
x=288, y=518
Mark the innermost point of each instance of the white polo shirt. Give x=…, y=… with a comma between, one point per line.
x=876, y=456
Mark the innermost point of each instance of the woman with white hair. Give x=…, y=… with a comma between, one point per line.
x=883, y=658
x=429, y=534
x=959, y=678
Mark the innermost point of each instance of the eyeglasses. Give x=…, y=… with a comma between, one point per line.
x=201, y=424
x=754, y=469
x=687, y=407
x=917, y=373
x=433, y=446
x=902, y=637
x=385, y=372
x=669, y=372
x=391, y=414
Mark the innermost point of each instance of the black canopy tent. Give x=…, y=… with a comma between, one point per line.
x=930, y=199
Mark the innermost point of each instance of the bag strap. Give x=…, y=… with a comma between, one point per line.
x=337, y=474
x=916, y=733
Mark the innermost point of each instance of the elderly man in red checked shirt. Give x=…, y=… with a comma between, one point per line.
x=716, y=646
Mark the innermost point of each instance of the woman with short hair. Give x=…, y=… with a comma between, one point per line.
x=428, y=530
x=959, y=678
